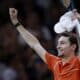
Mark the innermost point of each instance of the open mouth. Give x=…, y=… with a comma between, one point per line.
x=60, y=53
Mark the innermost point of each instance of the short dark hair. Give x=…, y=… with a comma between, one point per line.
x=72, y=38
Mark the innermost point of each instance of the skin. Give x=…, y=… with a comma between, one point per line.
x=65, y=49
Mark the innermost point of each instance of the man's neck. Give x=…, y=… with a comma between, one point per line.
x=66, y=59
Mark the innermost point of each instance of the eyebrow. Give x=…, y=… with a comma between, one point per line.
x=61, y=41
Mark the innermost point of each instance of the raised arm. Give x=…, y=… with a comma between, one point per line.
x=30, y=39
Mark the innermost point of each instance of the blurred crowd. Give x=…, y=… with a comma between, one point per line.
x=17, y=60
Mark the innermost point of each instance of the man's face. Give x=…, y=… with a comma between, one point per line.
x=63, y=46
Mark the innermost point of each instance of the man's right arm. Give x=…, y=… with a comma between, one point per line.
x=30, y=39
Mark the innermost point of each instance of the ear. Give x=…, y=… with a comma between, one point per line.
x=74, y=47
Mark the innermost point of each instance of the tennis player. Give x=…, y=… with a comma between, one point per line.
x=65, y=66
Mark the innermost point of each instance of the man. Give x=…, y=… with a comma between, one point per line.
x=67, y=65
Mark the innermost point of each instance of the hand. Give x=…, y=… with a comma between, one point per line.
x=13, y=15
x=76, y=14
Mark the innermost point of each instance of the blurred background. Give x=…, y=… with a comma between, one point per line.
x=17, y=60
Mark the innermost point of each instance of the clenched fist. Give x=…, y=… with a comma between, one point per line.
x=13, y=15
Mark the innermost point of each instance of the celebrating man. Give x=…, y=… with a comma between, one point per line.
x=65, y=66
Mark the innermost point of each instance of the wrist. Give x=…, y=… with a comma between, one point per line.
x=14, y=22
x=17, y=24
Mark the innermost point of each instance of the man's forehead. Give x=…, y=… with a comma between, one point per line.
x=63, y=38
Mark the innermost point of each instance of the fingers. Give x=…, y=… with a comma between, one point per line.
x=74, y=10
x=12, y=11
x=13, y=15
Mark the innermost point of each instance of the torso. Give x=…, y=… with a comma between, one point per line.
x=67, y=71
